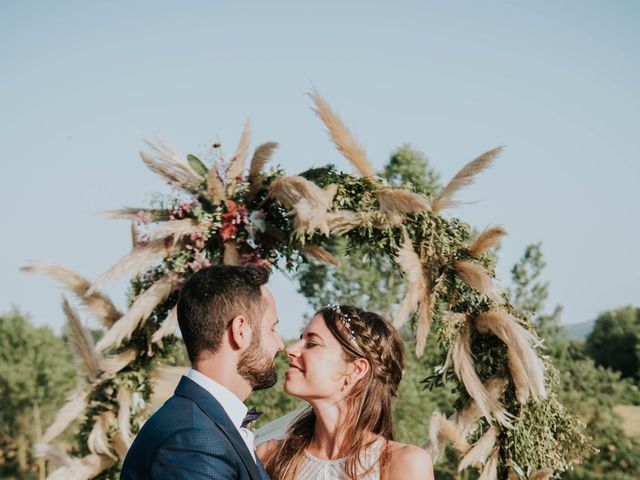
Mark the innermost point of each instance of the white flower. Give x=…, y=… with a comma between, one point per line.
x=257, y=223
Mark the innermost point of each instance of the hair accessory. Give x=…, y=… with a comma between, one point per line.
x=345, y=319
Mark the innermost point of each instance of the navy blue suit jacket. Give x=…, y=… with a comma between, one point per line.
x=192, y=437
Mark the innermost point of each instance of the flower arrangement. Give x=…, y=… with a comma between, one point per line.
x=221, y=215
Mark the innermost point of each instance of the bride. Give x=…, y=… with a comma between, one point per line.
x=347, y=365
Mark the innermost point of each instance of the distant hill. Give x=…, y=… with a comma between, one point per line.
x=579, y=331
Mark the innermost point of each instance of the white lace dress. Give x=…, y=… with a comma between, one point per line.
x=313, y=468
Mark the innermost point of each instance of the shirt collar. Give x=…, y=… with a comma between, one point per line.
x=230, y=403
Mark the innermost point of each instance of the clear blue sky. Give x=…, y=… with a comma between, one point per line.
x=558, y=83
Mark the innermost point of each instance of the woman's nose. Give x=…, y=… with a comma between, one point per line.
x=292, y=350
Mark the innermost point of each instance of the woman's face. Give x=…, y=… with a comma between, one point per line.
x=317, y=368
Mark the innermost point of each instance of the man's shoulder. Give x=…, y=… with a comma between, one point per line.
x=179, y=424
x=178, y=413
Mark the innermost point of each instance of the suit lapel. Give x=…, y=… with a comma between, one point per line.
x=212, y=408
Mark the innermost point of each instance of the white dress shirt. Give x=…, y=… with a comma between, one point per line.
x=232, y=405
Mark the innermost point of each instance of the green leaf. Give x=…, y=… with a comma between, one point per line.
x=197, y=165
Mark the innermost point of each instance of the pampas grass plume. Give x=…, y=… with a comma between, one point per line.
x=487, y=240
x=344, y=141
x=139, y=311
x=464, y=178
x=81, y=343
x=98, y=304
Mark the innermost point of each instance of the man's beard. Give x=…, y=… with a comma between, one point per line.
x=257, y=368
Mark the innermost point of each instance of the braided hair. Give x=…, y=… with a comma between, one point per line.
x=361, y=334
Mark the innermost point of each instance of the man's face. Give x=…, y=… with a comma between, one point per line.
x=257, y=363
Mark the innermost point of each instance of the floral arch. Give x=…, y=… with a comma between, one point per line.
x=509, y=423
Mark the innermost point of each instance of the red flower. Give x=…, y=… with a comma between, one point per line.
x=227, y=231
x=231, y=210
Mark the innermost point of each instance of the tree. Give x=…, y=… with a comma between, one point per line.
x=615, y=341
x=530, y=294
x=36, y=373
x=588, y=389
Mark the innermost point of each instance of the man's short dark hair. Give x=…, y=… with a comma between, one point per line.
x=212, y=297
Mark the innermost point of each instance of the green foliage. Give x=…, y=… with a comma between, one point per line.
x=618, y=457
x=253, y=225
x=367, y=276
x=584, y=387
x=416, y=403
x=530, y=294
x=615, y=341
x=547, y=435
x=36, y=374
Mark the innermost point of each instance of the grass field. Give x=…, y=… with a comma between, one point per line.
x=630, y=415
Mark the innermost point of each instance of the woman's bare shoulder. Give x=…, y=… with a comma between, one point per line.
x=408, y=461
x=266, y=448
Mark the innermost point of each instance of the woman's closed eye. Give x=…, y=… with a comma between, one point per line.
x=310, y=344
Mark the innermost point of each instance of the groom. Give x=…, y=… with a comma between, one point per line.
x=227, y=318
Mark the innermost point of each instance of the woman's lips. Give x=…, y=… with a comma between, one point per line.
x=294, y=368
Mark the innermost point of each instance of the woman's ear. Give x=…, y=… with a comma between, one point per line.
x=359, y=369
x=240, y=332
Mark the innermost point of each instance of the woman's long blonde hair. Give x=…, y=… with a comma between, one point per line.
x=361, y=335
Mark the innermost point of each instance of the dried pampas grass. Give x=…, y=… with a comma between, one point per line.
x=98, y=441
x=139, y=311
x=236, y=164
x=170, y=165
x=466, y=418
x=477, y=277
x=320, y=254
x=81, y=343
x=442, y=431
x=73, y=409
x=343, y=221
x=480, y=451
x=341, y=136
x=168, y=154
x=168, y=327
x=138, y=214
x=464, y=178
x=55, y=455
x=465, y=371
x=82, y=468
x=411, y=267
x=139, y=260
x=124, y=415
x=542, y=474
x=98, y=304
x=401, y=201
x=490, y=470
x=523, y=359
x=487, y=240
x=519, y=376
x=260, y=158
x=215, y=187
x=309, y=203
x=424, y=321
x=177, y=229
x=115, y=363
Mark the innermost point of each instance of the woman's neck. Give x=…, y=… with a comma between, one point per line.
x=330, y=439
x=326, y=442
